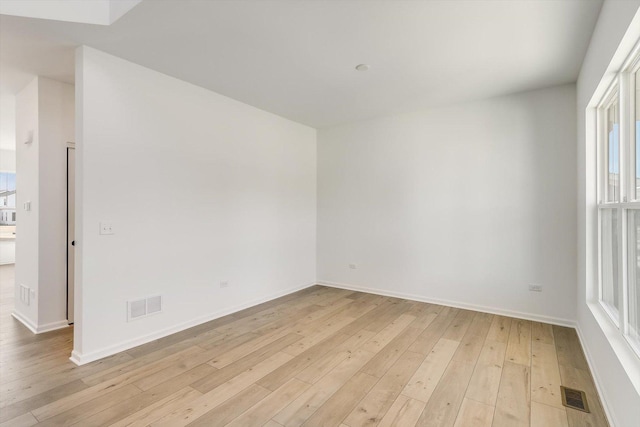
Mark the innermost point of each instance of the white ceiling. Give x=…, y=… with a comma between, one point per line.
x=297, y=58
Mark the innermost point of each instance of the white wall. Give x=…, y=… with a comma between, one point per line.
x=620, y=397
x=7, y=160
x=7, y=133
x=7, y=122
x=27, y=186
x=466, y=205
x=45, y=114
x=7, y=251
x=242, y=180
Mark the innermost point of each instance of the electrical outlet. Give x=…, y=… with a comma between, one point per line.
x=353, y=266
x=106, y=228
x=535, y=288
x=224, y=284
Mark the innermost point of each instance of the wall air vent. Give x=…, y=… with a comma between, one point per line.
x=143, y=307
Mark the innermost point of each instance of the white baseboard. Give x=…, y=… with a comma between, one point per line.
x=596, y=378
x=53, y=326
x=492, y=310
x=82, y=359
x=26, y=322
x=75, y=358
x=39, y=329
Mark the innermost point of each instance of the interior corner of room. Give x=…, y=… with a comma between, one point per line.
x=138, y=199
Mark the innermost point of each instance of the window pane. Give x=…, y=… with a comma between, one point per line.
x=610, y=256
x=612, y=175
x=633, y=231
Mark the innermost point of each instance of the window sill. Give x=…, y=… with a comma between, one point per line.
x=621, y=347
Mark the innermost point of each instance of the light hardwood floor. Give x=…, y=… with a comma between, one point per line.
x=319, y=357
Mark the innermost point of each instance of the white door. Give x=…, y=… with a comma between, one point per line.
x=71, y=235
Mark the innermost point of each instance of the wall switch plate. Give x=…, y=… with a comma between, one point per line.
x=106, y=228
x=27, y=206
x=224, y=284
x=25, y=295
x=535, y=288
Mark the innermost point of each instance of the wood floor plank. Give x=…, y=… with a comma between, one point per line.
x=67, y=372
x=545, y=375
x=156, y=360
x=459, y=326
x=377, y=402
x=300, y=409
x=80, y=412
x=404, y=412
x=183, y=339
x=323, y=311
x=388, y=333
x=149, y=397
x=485, y=380
x=513, y=404
x=238, y=352
x=370, y=316
x=174, y=370
x=298, y=363
x=334, y=410
x=519, y=345
x=270, y=405
x=326, y=331
x=227, y=373
x=568, y=348
x=42, y=399
x=542, y=333
x=474, y=414
x=544, y=415
x=220, y=394
x=444, y=404
x=473, y=339
x=95, y=391
x=425, y=314
x=434, y=331
x=386, y=357
x=157, y=410
x=232, y=408
x=321, y=356
x=319, y=368
x=500, y=329
x=24, y=420
x=397, y=308
x=425, y=380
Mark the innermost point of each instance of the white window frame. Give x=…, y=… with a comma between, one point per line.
x=622, y=87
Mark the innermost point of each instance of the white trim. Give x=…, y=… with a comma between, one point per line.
x=619, y=344
x=53, y=326
x=26, y=322
x=48, y=327
x=81, y=359
x=596, y=378
x=492, y=310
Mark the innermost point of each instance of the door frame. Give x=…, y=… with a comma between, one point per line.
x=69, y=146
